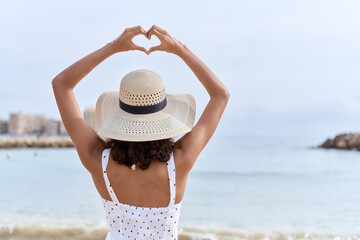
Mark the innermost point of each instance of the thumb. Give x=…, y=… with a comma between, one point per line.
x=156, y=48
x=136, y=47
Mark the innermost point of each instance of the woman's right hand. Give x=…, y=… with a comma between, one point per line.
x=124, y=42
x=167, y=42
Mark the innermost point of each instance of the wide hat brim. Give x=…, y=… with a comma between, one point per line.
x=114, y=123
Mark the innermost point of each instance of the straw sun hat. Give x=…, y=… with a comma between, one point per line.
x=143, y=111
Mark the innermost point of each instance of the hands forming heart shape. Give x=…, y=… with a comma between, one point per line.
x=167, y=42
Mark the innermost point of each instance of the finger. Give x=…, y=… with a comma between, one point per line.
x=156, y=48
x=153, y=27
x=131, y=29
x=138, y=31
x=156, y=33
x=158, y=29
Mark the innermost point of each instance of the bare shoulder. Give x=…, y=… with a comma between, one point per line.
x=95, y=157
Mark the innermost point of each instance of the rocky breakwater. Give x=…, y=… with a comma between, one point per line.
x=347, y=141
x=36, y=143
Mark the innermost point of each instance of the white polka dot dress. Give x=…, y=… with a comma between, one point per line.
x=141, y=223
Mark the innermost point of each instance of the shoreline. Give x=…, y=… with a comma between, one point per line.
x=36, y=143
x=96, y=230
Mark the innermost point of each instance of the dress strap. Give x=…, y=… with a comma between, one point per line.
x=105, y=160
x=172, y=177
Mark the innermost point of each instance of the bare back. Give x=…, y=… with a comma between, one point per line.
x=145, y=188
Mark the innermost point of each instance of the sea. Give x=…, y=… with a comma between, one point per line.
x=241, y=187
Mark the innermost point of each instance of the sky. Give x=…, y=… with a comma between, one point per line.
x=291, y=67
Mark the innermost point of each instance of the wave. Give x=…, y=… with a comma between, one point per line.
x=96, y=230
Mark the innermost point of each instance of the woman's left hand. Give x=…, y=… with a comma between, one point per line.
x=124, y=42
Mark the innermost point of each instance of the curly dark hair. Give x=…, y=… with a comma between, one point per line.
x=130, y=153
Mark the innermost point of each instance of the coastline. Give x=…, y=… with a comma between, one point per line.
x=63, y=142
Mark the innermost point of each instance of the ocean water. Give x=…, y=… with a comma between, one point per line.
x=241, y=187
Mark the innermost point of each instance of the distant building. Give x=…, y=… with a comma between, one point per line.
x=17, y=123
x=20, y=124
x=89, y=116
x=52, y=127
x=4, y=127
x=25, y=124
x=35, y=124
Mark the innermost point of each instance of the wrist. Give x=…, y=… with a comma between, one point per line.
x=110, y=48
x=182, y=50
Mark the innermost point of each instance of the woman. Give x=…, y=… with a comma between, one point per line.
x=126, y=157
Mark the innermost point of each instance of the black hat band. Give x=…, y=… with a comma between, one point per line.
x=143, y=109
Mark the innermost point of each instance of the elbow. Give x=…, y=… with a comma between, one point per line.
x=225, y=94
x=56, y=86
x=222, y=96
x=55, y=83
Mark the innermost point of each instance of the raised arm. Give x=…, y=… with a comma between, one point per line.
x=193, y=142
x=87, y=142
